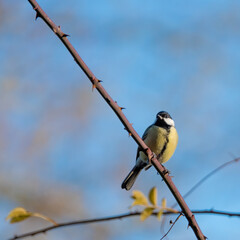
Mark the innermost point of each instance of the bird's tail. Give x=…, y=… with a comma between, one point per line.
x=131, y=177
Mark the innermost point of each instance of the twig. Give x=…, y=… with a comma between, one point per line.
x=121, y=216
x=171, y=227
x=44, y=230
x=118, y=110
x=206, y=177
x=216, y=212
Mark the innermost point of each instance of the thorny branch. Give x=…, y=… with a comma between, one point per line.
x=121, y=216
x=118, y=110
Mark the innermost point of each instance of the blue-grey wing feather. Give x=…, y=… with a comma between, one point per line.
x=145, y=134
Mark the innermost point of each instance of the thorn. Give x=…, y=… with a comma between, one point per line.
x=100, y=81
x=37, y=13
x=121, y=108
x=65, y=35
x=37, y=16
x=236, y=159
x=129, y=134
x=94, y=79
x=93, y=86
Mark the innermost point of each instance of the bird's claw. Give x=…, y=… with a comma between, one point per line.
x=153, y=156
x=166, y=171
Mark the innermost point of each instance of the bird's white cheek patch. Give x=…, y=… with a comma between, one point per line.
x=169, y=121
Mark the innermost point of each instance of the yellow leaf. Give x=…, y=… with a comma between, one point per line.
x=159, y=215
x=146, y=213
x=18, y=214
x=164, y=203
x=45, y=218
x=139, y=198
x=153, y=196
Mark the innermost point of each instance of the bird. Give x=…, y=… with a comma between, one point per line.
x=162, y=138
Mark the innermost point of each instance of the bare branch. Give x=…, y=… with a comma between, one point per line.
x=121, y=216
x=206, y=177
x=172, y=224
x=63, y=37
x=216, y=212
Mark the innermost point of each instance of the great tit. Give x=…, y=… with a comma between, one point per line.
x=162, y=138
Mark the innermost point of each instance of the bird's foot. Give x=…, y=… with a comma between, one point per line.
x=153, y=156
x=165, y=171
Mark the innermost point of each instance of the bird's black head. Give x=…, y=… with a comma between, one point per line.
x=163, y=114
x=163, y=119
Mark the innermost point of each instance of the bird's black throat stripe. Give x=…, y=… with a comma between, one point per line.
x=165, y=145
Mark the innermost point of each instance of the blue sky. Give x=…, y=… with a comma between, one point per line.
x=59, y=138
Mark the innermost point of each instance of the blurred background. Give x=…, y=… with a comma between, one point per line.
x=64, y=153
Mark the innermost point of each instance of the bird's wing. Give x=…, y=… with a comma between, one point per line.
x=145, y=134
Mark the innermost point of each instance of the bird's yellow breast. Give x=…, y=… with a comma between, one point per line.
x=162, y=142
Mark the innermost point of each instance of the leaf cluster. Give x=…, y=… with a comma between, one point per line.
x=150, y=204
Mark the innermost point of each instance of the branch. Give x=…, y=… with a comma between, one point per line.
x=118, y=110
x=121, y=216
x=172, y=224
x=208, y=176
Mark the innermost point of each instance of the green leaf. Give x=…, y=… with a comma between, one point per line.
x=153, y=196
x=146, y=213
x=139, y=198
x=159, y=215
x=18, y=214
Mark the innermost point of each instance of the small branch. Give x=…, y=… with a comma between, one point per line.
x=95, y=220
x=206, y=177
x=121, y=216
x=118, y=111
x=216, y=212
x=172, y=224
